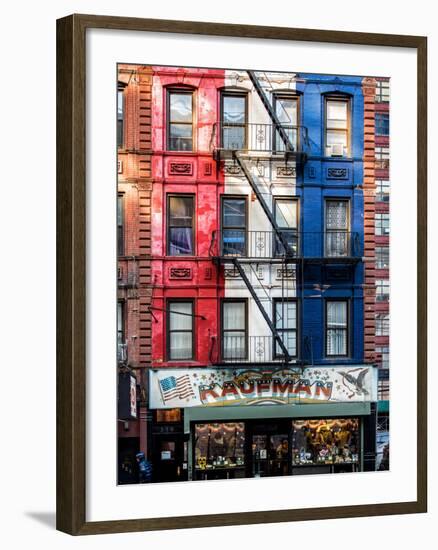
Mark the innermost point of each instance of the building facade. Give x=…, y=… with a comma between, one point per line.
x=257, y=278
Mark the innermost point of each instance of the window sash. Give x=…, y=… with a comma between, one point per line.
x=120, y=117
x=234, y=329
x=180, y=123
x=337, y=118
x=285, y=316
x=180, y=217
x=382, y=257
x=180, y=330
x=234, y=233
x=234, y=120
x=337, y=328
x=382, y=225
x=120, y=226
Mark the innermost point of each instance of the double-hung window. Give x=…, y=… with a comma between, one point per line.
x=180, y=330
x=180, y=209
x=382, y=91
x=234, y=329
x=286, y=217
x=286, y=325
x=120, y=226
x=382, y=158
x=382, y=190
x=382, y=257
x=337, y=114
x=233, y=120
x=233, y=226
x=382, y=225
x=382, y=124
x=336, y=328
x=382, y=324
x=180, y=120
x=337, y=241
x=120, y=116
x=382, y=290
x=286, y=109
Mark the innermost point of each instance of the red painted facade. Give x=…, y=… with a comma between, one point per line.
x=190, y=173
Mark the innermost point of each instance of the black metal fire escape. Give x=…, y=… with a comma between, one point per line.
x=242, y=158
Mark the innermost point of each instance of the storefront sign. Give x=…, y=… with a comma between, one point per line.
x=222, y=387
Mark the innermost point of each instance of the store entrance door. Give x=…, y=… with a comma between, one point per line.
x=168, y=459
x=269, y=449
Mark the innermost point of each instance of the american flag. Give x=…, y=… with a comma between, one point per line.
x=174, y=387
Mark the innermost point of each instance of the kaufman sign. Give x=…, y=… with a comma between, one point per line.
x=222, y=387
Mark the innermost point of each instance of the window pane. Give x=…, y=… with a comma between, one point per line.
x=336, y=111
x=181, y=322
x=180, y=345
x=382, y=257
x=180, y=107
x=233, y=137
x=337, y=314
x=336, y=138
x=181, y=211
x=233, y=242
x=234, y=212
x=234, y=315
x=234, y=109
x=336, y=342
x=286, y=213
x=286, y=110
x=180, y=241
x=180, y=138
x=336, y=215
x=285, y=315
x=234, y=344
x=289, y=340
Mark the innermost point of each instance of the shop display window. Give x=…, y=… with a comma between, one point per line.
x=168, y=415
x=325, y=441
x=219, y=446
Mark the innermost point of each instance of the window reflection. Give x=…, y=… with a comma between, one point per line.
x=325, y=441
x=219, y=446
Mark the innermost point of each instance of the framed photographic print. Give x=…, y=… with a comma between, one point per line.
x=241, y=274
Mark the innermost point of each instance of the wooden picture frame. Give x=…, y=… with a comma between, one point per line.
x=71, y=273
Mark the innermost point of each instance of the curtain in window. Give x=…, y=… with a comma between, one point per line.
x=234, y=337
x=336, y=328
x=180, y=226
x=180, y=330
x=337, y=238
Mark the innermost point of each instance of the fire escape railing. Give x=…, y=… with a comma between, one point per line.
x=253, y=349
x=266, y=245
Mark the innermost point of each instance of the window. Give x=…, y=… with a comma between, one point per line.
x=120, y=225
x=382, y=324
x=382, y=91
x=121, y=344
x=382, y=124
x=286, y=325
x=234, y=331
x=382, y=257
x=325, y=441
x=382, y=225
x=120, y=116
x=336, y=227
x=233, y=120
x=336, y=326
x=382, y=157
x=180, y=330
x=180, y=121
x=234, y=226
x=337, y=124
x=180, y=225
x=219, y=446
x=383, y=352
x=382, y=290
x=286, y=109
x=382, y=190
x=168, y=415
x=286, y=216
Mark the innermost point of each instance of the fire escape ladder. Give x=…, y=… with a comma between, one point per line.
x=266, y=317
x=281, y=237
x=271, y=112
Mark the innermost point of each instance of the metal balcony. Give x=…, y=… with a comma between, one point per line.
x=253, y=349
x=330, y=246
x=259, y=139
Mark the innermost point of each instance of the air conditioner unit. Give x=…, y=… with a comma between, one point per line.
x=336, y=150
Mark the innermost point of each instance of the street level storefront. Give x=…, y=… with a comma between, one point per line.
x=255, y=423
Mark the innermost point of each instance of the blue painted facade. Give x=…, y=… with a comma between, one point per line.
x=322, y=178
